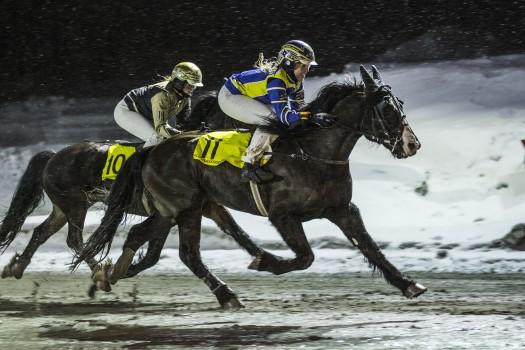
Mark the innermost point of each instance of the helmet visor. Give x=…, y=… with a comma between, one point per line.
x=195, y=83
x=308, y=62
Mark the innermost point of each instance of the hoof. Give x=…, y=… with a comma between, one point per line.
x=254, y=265
x=120, y=268
x=103, y=285
x=232, y=304
x=17, y=270
x=100, y=277
x=92, y=291
x=414, y=290
x=266, y=262
x=6, y=272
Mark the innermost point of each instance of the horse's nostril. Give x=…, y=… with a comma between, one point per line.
x=412, y=146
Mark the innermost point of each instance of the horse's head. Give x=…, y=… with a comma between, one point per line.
x=384, y=121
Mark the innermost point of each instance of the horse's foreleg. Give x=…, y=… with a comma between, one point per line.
x=150, y=229
x=189, y=251
x=349, y=220
x=226, y=223
x=54, y=222
x=291, y=230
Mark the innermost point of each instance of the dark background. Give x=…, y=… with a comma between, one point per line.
x=104, y=48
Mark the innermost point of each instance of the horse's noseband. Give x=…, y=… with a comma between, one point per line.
x=376, y=106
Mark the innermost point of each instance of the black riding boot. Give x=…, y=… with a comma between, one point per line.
x=255, y=173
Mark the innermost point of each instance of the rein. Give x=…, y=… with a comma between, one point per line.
x=377, y=115
x=302, y=155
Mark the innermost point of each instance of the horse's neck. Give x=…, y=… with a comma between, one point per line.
x=338, y=142
x=330, y=144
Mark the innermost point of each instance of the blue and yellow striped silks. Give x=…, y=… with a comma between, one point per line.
x=276, y=89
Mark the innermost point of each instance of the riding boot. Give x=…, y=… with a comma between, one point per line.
x=251, y=171
x=256, y=174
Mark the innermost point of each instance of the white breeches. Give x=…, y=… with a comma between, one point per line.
x=136, y=124
x=249, y=111
x=243, y=108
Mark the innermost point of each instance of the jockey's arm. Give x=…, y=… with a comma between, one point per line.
x=276, y=90
x=160, y=108
x=297, y=99
x=183, y=117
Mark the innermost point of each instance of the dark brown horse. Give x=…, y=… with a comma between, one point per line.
x=72, y=180
x=315, y=184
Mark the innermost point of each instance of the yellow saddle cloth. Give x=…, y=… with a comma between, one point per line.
x=223, y=146
x=117, y=155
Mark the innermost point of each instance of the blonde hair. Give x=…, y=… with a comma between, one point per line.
x=267, y=65
x=165, y=82
x=164, y=78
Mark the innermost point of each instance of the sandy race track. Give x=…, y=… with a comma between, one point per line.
x=298, y=311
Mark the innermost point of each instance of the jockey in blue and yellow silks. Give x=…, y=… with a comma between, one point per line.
x=273, y=89
x=285, y=95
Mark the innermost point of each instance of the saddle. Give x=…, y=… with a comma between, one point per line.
x=117, y=155
x=217, y=147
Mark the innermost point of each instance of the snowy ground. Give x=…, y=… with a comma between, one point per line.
x=469, y=116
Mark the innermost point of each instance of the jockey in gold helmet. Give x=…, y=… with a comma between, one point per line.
x=144, y=112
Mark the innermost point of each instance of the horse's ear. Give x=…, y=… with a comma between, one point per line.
x=376, y=75
x=370, y=84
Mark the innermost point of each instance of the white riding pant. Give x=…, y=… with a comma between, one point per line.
x=250, y=111
x=136, y=124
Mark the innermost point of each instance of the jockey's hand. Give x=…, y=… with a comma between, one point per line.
x=323, y=120
x=305, y=116
x=204, y=128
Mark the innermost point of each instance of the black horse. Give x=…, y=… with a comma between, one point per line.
x=316, y=184
x=72, y=180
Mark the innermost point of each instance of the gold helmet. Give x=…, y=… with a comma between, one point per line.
x=297, y=51
x=188, y=72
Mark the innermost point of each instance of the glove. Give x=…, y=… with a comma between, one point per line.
x=204, y=128
x=323, y=120
x=304, y=116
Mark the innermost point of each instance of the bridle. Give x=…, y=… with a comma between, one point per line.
x=374, y=112
x=374, y=105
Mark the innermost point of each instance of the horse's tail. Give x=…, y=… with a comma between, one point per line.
x=127, y=186
x=28, y=194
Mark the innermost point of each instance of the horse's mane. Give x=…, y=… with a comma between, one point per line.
x=202, y=109
x=325, y=100
x=332, y=93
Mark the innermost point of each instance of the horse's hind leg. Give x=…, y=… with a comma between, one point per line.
x=54, y=222
x=151, y=257
x=76, y=216
x=189, y=251
x=349, y=220
x=150, y=229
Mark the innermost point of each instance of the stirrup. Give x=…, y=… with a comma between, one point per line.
x=255, y=173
